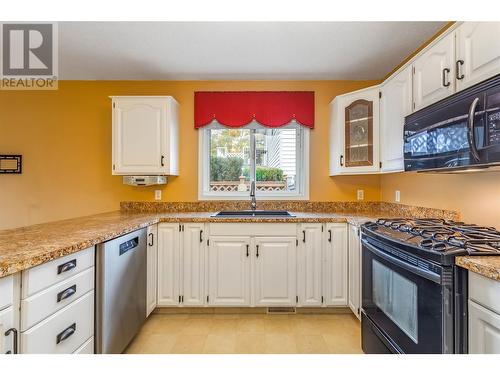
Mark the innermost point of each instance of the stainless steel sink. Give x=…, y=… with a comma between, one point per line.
x=256, y=213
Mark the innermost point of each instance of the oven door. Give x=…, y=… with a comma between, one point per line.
x=403, y=301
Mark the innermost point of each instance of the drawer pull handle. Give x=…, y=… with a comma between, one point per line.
x=66, y=293
x=66, y=333
x=151, y=237
x=66, y=266
x=201, y=236
x=329, y=235
x=7, y=333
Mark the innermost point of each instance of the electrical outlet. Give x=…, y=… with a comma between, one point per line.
x=361, y=195
x=158, y=195
x=397, y=195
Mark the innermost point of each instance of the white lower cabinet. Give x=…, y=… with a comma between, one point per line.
x=168, y=264
x=354, y=247
x=63, y=332
x=152, y=268
x=336, y=264
x=275, y=271
x=193, y=264
x=9, y=327
x=309, y=265
x=229, y=271
x=484, y=315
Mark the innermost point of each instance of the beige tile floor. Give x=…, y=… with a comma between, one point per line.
x=248, y=333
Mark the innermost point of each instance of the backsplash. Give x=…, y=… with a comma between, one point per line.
x=367, y=208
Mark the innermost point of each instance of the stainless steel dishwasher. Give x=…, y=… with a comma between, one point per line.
x=120, y=291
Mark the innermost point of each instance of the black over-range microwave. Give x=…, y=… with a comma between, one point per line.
x=461, y=132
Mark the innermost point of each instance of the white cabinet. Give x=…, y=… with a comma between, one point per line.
x=395, y=104
x=336, y=264
x=478, y=52
x=229, y=271
x=484, y=315
x=434, y=73
x=9, y=313
x=193, y=264
x=309, y=265
x=152, y=267
x=275, y=271
x=145, y=135
x=355, y=270
x=168, y=264
x=354, y=132
x=484, y=330
x=8, y=330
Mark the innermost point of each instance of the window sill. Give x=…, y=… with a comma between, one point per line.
x=244, y=197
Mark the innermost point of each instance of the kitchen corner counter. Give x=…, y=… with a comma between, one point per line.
x=488, y=266
x=26, y=247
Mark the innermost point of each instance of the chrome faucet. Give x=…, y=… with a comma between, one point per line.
x=252, y=195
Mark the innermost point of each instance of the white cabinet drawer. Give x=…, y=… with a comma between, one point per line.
x=64, y=332
x=6, y=323
x=41, y=277
x=484, y=291
x=39, y=306
x=253, y=229
x=6, y=291
x=86, y=348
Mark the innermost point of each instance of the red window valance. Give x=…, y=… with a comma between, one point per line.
x=269, y=108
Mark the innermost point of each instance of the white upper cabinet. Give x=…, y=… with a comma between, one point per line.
x=193, y=260
x=275, y=271
x=478, y=52
x=145, y=135
x=336, y=264
x=229, y=271
x=395, y=104
x=434, y=73
x=354, y=132
x=168, y=264
x=309, y=264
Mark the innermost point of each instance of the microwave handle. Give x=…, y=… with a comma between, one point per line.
x=401, y=263
x=470, y=126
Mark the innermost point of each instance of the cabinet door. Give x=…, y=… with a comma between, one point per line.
x=354, y=270
x=275, y=271
x=139, y=141
x=168, y=264
x=309, y=264
x=484, y=330
x=434, y=73
x=7, y=321
x=395, y=104
x=152, y=264
x=478, y=52
x=336, y=264
x=193, y=261
x=229, y=271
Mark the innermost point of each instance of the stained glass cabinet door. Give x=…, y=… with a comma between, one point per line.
x=359, y=134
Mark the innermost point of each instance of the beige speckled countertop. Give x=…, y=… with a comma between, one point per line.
x=488, y=266
x=26, y=247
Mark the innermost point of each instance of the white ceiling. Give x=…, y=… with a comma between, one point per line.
x=237, y=50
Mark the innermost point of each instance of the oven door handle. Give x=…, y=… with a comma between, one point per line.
x=407, y=266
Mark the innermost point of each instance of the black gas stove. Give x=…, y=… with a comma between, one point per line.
x=437, y=240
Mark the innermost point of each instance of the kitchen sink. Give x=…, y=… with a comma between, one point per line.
x=256, y=213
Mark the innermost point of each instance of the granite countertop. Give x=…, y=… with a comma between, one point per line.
x=26, y=247
x=488, y=266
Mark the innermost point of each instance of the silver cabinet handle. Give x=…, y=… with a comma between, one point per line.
x=66, y=266
x=162, y=161
x=14, y=342
x=257, y=253
x=66, y=333
x=445, y=75
x=66, y=293
x=201, y=236
x=329, y=235
x=151, y=237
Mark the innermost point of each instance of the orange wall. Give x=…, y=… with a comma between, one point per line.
x=65, y=139
x=475, y=194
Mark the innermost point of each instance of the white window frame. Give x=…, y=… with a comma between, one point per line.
x=302, y=182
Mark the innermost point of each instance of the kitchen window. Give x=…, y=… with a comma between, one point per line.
x=276, y=158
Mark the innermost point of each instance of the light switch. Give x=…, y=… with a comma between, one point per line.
x=361, y=195
x=397, y=195
x=158, y=195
